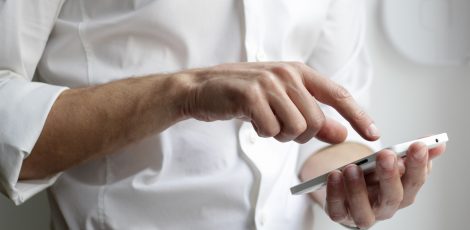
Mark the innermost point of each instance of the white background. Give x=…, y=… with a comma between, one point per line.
x=409, y=101
x=412, y=100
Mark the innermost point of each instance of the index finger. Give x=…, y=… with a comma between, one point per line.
x=330, y=93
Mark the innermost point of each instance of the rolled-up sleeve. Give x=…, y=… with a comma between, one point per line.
x=341, y=55
x=24, y=105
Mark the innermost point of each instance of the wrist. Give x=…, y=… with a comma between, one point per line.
x=180, y=89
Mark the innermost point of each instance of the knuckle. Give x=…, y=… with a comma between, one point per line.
x=300, y=127
x=270, y=131
x=385, y=216
x=337, y=216
x=416, y=184
x=285, y=71
x=355, y=184
x=387, y=175
x=335, y=209
x=365, y=222
x=266, y=78
x=281, y=137
x=356, y=190
x=359, y=115
x=304, y=137
x=283, y=67
x=415, y=165
x=251, y=88
x=340, y=93
x=252, y=94
x=408, y=202
x=393, y=202
x=298, y=64
x=296, y=128
x=316, y=122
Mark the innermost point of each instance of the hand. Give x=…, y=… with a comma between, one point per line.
x=356, y=200
x=280, y=100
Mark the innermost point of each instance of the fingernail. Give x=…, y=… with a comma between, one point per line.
x=388, y=162
x=373, y=131
x=421, y=153
x=352, y=171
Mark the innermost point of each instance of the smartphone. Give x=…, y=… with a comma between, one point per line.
x=368, y=163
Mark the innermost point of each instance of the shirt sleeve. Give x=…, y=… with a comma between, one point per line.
x=24, y=105
x=341, y=55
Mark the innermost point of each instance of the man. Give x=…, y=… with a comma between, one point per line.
x=139, y=124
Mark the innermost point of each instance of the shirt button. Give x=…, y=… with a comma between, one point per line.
x=262, y=219
x=261, y=56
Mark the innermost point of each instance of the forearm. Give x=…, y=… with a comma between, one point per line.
x=89, y=122
x=328, y=159
x=86, y=123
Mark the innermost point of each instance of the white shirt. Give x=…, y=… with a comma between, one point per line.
x=194, y=175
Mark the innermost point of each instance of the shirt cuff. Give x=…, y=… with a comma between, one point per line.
x=22, y=118
x=25, y=189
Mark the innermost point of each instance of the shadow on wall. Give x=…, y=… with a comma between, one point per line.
x=411, y=99
x=429, y=32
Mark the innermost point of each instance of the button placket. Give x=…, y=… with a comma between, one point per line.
x=262, y=219
x=253, y=28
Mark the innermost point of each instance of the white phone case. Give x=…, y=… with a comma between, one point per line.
x=368, y=163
